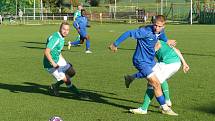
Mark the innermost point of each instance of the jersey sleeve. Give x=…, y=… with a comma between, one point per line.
x=75, y=23
x=135, y=34
x=163, y=36
x=52, y=42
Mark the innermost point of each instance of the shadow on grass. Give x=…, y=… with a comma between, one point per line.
x=197, y=54
x=34, y=47
x=125, y=49
x=92, y=96
x=43, y=43
x=43, y=48
x=33, y=42
x=207, y=108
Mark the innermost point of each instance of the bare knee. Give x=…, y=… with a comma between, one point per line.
x=155, y=84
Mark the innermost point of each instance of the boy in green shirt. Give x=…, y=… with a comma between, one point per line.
x=55, y=63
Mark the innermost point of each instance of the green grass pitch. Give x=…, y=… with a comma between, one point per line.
x=24, y=82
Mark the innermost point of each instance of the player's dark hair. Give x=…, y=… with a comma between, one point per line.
x=82, y=10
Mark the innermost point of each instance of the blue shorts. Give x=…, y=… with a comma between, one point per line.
x=83, y=34
x=144, y=69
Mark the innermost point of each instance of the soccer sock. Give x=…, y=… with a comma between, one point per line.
x=147, y=99
x=58, y=83
x=72, y=88
x=75, y=42
x=165, y=88
x=87, y=44
x=161, y=100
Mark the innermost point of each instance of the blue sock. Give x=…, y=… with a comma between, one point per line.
x=75, y=42
x=87, y=44
x=161, y=100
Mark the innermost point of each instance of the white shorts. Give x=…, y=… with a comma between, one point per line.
x=165, y=71
x=59, y=73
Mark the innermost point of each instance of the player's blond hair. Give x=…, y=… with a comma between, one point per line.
x=160, y=18
x=63, y=23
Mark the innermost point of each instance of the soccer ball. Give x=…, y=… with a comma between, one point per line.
x=55, y=118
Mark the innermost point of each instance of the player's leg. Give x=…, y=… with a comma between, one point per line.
x=76, y=42
x=143, y=71
x=149, y=94
x=72, y=88
x=159, y=95
x=146, y=71
x=87, y=37
x=55, y=86
x=147, y=97
x=58, y=75
x=69, y=72
x=164, y=72
x=165, y=89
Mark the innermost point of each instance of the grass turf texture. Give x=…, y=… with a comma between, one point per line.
x=24, y=82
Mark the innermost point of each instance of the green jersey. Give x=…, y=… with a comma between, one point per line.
x=56, y=43
x=77, y=14
x=166, y=54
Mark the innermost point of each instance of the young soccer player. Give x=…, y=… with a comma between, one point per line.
x=143, y=58
x=81, y=24
x=76, y=15
x=55, y=63
x=169, y=62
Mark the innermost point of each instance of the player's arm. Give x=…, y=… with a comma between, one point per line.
x=76, y=25
x=170, y=42
x=131, y=33
x=185, y=65
x=49, y=57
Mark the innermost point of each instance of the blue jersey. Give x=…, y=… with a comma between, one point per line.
x=146, y=40
x=81, y=23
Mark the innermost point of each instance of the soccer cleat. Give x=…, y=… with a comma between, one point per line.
x=74, y=89
x=88, y=51
x=169, y=111
x=128, y=80
x=54, y=88
x=69, y=45
x=138, y=111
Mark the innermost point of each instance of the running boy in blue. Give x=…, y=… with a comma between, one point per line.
x=76, y=14
x=81, y=24
x=143, y=58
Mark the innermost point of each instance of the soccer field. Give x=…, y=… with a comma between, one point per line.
x=24, y=82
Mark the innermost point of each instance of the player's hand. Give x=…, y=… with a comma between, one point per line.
x=186, y=68
x=113, y=48
x=171, y=43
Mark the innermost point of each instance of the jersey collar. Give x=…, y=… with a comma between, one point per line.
x=60, y=35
